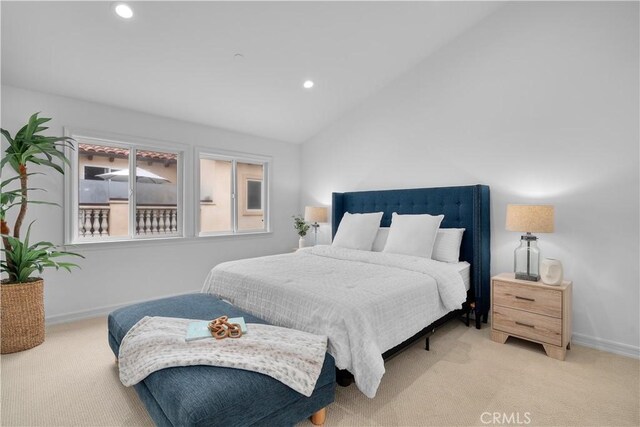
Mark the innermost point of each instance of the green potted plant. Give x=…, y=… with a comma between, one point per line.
x=22, y=298
x=301, y=228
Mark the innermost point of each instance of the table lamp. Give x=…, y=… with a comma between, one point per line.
x=315, y=215
x=529, y=219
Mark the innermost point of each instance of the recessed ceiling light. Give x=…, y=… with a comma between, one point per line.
x=307, y=84
x=123, y=10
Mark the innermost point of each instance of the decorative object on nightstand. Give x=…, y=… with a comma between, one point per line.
x=551, y=271
x=529, y=219
x=532, y=311
x=315, y=215
x=301, y=228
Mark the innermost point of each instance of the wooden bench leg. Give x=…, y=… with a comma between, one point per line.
x=319, y=417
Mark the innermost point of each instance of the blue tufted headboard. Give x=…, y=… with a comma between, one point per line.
x=463, y=207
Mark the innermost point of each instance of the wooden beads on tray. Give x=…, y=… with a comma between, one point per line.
x=220, y=328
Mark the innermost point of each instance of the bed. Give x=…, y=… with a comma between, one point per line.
x=369, y=304
x=463, y=207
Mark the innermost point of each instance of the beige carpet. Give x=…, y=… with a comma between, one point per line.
x=71, y=380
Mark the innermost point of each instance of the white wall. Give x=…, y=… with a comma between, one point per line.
x=126, y=272
x=539, y=101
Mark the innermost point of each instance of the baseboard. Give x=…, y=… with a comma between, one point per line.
x=101, y=311
x=606, y=345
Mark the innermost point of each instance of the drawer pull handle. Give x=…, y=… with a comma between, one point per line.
x=525, y=324
x=526, y=299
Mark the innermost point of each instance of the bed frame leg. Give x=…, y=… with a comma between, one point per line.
x=465, y=315
x=344, y=378
x=426, y=344
x=481, y=317
x=318, y=417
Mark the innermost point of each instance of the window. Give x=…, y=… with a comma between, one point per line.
x=233, y=194
x=105, y=202
x=254, y=195
x=92, y=172
x=216, y=212
x=122, y=189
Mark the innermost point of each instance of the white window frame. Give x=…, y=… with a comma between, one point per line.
x=72, y=172
x=234, y=158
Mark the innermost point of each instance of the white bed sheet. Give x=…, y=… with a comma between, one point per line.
x=365, y=302
x=464, y=268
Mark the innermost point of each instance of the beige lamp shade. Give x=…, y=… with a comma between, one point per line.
x=315, y=214
x=530, y=218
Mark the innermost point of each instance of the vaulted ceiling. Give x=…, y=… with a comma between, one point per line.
x=179, y=59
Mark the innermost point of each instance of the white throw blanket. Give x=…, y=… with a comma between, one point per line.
x=365, y=302
x=292, y=357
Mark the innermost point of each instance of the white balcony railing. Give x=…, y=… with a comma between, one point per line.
x=93, y=221
x=156, y=220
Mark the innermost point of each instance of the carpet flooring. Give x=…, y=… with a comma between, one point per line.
x=71, y=380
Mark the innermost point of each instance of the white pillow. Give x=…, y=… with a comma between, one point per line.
x=357, y=231
x=447, y=246
x=381, y=239
x=412, y=234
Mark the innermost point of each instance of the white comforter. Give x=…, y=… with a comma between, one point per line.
x=365, y=302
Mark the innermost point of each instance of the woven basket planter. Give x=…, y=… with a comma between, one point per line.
x=22, y=321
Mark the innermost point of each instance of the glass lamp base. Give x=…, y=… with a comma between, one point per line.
x=525, y=276
x=526, y=258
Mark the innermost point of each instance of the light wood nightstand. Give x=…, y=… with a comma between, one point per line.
x=532, y=311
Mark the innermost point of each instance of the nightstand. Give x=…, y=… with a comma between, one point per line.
x=532, y=311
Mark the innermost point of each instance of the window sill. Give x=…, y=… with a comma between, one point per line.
x=229, y=234
x=163, y=241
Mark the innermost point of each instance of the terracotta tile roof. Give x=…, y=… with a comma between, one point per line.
x=103, y=150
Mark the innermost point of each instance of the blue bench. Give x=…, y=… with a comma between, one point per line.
x=215, y=396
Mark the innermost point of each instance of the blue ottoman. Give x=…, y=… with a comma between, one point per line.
x=213, y=396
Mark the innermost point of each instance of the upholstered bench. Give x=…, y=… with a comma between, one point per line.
x=215, y=396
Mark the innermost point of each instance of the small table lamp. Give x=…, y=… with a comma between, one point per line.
x=529, y=219
x=314, y=215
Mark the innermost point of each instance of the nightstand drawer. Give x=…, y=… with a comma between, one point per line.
x=535, y=300
x=528, y=325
